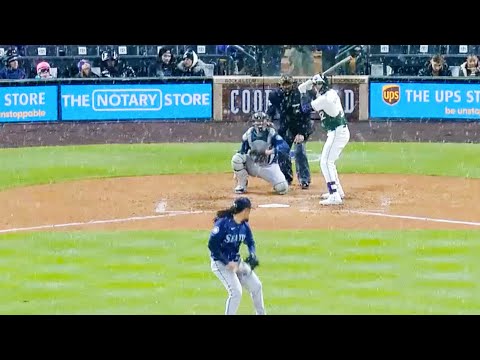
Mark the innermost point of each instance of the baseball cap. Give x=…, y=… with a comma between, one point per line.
x=242, y=203
x=188, y=55
x=81, y=63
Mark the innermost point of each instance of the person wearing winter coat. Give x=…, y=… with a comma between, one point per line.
x=191, y=65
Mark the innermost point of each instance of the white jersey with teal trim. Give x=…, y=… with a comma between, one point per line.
x=329, y=106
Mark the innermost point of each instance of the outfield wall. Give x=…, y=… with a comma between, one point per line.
x=236, y=97
x=92, y=111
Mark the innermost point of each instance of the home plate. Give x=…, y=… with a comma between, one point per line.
x=274, y=205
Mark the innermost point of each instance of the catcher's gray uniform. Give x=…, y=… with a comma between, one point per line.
x=252, y=160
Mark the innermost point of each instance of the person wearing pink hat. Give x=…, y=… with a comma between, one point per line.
x=43, y=71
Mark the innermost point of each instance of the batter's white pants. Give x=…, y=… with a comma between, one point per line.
x=336, y=141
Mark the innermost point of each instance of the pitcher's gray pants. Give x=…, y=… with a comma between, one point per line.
x=233, y=282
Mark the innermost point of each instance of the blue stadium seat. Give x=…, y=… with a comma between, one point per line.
x=35, y=50
x=132, y=50
x=148, y=50
x=398, y=49
x=92, y=50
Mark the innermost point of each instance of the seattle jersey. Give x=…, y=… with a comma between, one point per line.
x=226, y=238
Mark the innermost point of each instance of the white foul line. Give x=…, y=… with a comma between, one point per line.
x=415, y=218
x=134, y=218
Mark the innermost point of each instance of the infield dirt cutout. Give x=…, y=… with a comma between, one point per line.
x=432, y=197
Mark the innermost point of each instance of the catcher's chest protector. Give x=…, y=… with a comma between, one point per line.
x=259, y=142
x=257, y=138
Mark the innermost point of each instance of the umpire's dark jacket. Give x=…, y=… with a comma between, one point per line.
x=292, y=120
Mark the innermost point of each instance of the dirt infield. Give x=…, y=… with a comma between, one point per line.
x=373, y=201
x=66, y=133
x=189, y=202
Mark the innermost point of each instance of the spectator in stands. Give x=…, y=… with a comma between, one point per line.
x=85, y=70
x=471, y=67
x=436, y=66
x=229, y=50
x=191, y=65
x=225, y=50
x=112, y=66
x=11, y=70
x=20, y=50
x=301, y=60
x=328, y=55
x=357, y=64
x=244, y=62
x=43, y=71
x=272, y=56
x=165, y=64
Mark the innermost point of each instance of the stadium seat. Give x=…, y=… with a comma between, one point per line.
x=41, y=50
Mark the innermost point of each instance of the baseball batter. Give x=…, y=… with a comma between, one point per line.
x=258, y=156
x=230, y=230
x=329, y=106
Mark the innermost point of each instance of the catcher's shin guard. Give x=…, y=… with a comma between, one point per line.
x=240, y=173
x=281, y=188
x=241, y=177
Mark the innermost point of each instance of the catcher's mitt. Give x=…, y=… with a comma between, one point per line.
x=258, y=157
x=252, y=261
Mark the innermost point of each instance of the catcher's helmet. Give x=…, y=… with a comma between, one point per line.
x=260, y=120
x=259, y=116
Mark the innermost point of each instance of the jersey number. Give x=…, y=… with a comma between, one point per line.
x=322, y=115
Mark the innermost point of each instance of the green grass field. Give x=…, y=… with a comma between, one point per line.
x=165, y=272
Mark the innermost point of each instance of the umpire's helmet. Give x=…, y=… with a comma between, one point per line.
x=286, y=83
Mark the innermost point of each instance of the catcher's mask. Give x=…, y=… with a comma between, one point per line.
x=260, y=121
x=286, y=83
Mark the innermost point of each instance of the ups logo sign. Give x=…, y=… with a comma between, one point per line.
x=391, y=94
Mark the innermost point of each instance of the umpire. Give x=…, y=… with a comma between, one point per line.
x=294, y=126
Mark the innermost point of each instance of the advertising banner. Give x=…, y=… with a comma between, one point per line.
x=137, y=102
x=241, y=100
x=424, y=100
x=28, y=103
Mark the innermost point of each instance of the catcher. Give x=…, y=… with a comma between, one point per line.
x=229, y=231
x=258, y=156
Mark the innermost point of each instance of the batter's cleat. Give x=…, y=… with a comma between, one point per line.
x=326, y=195
x=333, y=199
x=305, y=185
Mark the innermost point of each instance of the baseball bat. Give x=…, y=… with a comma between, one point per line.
x=340, y=63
